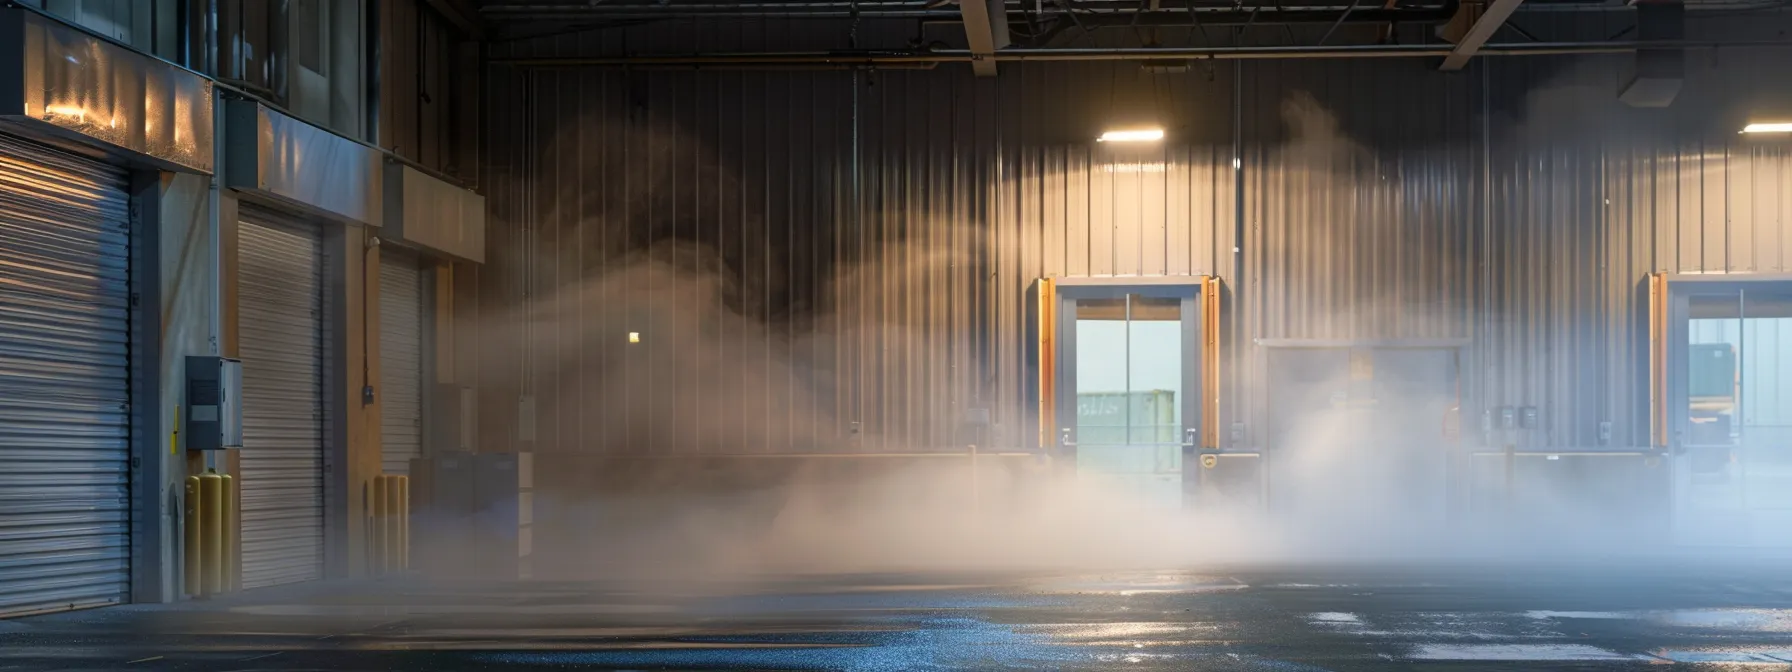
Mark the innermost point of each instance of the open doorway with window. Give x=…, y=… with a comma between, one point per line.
x=1128, y=391
x=1730, y=410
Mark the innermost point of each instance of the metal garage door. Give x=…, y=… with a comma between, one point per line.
x=401, y=359
x=64, y=381
x=280, y=313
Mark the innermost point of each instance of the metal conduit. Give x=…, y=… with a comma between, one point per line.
x=923, y=59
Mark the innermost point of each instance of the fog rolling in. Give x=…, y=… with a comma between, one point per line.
x=690, y=424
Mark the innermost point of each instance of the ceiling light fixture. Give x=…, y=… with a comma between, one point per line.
x=1137, y=135
x=1769, y=127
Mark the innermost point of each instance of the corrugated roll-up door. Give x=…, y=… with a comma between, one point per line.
x=281, y=318
x=64, y=381
x=401, y=359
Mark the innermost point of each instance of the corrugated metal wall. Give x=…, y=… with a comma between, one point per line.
x=1516, y=205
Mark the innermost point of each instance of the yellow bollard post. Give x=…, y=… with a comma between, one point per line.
x=404, y=523
x=376, y=518
x=228, y=536
x=393, y=515
x=191, y=552
x=211, y=540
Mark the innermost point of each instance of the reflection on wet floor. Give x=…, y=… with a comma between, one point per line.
x=1239, y=620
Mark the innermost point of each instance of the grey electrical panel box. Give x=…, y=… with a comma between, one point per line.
x=214, y=415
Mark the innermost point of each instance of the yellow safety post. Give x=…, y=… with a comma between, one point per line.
x=376, y=550
x=192, y=555
x=393, y=515
x=391, y=511
x=211, y=542
x=404, y=523
x=230, y=552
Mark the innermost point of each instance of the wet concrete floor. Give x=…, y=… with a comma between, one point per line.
x=1519, y=616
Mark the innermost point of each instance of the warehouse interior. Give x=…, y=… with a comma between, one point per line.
x=311, y=291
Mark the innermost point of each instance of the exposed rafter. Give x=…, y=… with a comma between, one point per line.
x=980, y=35
x=1478, y=35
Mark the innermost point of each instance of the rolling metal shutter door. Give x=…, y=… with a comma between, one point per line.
x=280, y=312
x=401, y=359
x=64, y=381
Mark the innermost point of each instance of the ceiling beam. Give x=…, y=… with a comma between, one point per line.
x=1483, y=30
x=980, y=35
x=462, y=15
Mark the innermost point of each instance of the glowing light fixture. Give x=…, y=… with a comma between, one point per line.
x=1769, y=127
x=1134, y=135
x=634, y=337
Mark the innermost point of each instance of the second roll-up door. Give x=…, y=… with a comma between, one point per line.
x=401, y=359
x=282, y=322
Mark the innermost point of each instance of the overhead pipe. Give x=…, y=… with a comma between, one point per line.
x=903, y=10
x=1275, y=17
x=1145, y=19
x=851, y=60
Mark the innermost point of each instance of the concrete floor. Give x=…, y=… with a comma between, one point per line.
x=1464, y=617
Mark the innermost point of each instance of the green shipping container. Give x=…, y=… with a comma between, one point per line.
x=1713, y=370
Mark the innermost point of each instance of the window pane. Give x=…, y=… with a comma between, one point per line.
x=1764, y=450
x=1101, y=388
x=1714, y=349
x=1154, y=363
x=307, y=30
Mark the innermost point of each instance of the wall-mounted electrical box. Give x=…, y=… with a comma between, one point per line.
x=1527, y=417
x=214, y=416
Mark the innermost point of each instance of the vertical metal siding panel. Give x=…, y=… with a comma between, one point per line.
x=1714, y=201
x=1664, y=186
x=1079, y=186
x=1781, y=188
x=1102, y=194
x=559, y=229
x=1689, y=192
x=1739, y=206
x=1126, y=213
x=904, y=276
x=1713, y=198
x=1154, y=218
x=1056, y=200
x=1177, y=223
x=1765, y=188
x=1008, y=316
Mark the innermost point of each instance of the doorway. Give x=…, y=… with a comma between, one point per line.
x=1128, y=399
x=1360, y=433
x=1730, y=411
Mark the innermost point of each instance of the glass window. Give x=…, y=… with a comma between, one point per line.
x=1129, y=370
x=309, y=43
x=1739, y=400
x=133, y=22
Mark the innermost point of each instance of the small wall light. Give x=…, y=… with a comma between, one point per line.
x=634, y=337
x=1133, y=135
